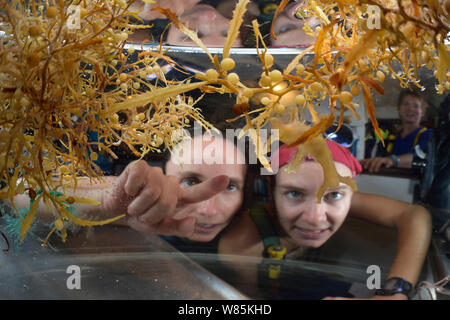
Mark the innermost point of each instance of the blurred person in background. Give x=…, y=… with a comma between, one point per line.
x=410, y=140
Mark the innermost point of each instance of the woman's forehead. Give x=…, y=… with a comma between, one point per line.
x=309, y=173
x=236, y=172
x=200, y=12
x=211, y=153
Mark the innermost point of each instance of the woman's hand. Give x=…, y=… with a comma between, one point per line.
x=150, y=199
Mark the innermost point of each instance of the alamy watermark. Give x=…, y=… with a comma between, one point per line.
x=73, y=18
x=210, y=147
x=374, y=17
x=374, y=280
x=74, y=280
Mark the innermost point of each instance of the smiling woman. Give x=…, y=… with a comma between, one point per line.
x=295, y=222
x=215, y=213
x=308, y=223
x=195, y=199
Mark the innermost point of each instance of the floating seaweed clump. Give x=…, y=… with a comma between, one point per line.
x=64, y=73
x=353, y=53
x=61, y=79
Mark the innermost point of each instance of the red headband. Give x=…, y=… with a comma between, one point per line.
x=338, y=152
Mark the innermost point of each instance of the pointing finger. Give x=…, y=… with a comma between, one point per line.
x=203, y=191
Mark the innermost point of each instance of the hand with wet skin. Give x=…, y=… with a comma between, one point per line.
x=150, y=199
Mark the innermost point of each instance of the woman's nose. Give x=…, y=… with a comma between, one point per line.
x=208, y=16
x=315, y=213
x=207, y=207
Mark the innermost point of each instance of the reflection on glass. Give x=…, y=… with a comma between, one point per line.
x=288, y=27
x=176, y=6
x=211, y=20
x=211, y=27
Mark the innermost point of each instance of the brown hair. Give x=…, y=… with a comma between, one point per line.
x=412, y=92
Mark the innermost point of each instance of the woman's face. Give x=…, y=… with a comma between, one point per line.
x=210, y=25
x=308, y=223
x=288, y=27
x=214, y=214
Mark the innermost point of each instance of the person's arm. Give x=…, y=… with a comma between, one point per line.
x=241, y=238
x=413, y=224
x=405, y=160
x=143, y=193
x=85, y=189
x=375, y=164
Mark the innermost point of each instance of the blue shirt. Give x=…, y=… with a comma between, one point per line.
x=406, y=144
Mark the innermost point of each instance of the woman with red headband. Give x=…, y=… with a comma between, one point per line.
x=300, y=221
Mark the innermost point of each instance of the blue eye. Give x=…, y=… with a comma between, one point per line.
x=335, y=195
x=294, y=194
x=232, y=187
x=189, y=182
